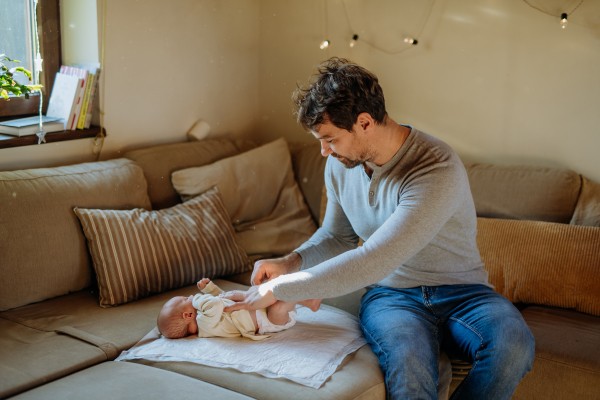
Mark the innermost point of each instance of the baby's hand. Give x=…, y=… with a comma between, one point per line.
x=202, y=283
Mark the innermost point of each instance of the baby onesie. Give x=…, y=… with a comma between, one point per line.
x=212, y=321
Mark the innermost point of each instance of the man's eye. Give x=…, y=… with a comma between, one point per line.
x=330, y=141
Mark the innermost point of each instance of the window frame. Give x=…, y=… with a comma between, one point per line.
x=48, y=15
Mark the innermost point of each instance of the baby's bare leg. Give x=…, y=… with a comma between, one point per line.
x=278, y=312
x=313, y=304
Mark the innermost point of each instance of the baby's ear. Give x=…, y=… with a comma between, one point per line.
x=188, y=315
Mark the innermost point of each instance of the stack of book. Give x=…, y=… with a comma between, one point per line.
x=71, y=103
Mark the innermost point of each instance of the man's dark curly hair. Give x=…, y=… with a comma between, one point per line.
x=341, y=90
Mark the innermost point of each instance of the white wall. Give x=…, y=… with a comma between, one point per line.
x=497, y=80
x=79, y=26
x=167, y=65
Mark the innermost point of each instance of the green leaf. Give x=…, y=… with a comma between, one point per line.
x=23, y=70
x=4, y=94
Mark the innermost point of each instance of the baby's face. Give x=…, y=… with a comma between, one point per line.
x=182, y=307
x=181, y=304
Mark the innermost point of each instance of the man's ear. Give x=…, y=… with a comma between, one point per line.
x=365, y=122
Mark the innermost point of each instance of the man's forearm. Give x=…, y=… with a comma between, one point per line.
x=293, y=262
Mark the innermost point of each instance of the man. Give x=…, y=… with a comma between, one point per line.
x=406, y=194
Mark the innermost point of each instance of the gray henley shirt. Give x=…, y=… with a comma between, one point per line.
x=415, y=215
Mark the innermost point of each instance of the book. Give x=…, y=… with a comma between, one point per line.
x=90, y=89
x=31, y=126
x=86, y=101
x=83, y=75
x=88, y=117
x=62, y=99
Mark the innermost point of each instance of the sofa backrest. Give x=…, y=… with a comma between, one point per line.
x=159, y=162
x=524, y=192
x=309, y=168
x=43, y=251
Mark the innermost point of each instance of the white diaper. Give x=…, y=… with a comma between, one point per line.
x=265, y=326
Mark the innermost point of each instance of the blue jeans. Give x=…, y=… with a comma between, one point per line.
x=407, y=329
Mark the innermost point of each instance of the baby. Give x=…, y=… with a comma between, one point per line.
x=203, y=314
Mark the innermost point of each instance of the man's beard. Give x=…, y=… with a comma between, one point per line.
x=347, y=162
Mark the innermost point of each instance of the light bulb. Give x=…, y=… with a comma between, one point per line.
x=563, y=20
x=411, y=41
x=353, y=41
x=325, y=44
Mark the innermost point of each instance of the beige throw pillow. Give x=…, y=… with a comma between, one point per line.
x=542, y=262
x=137, y=253
x=260, y=194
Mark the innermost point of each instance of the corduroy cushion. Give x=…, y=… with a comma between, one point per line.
x=42, y=248
x=261, y=196
x=542, y=262
x=137, y=253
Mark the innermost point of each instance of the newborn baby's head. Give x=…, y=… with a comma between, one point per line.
x=177, y=318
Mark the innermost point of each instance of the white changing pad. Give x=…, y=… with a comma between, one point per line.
x=307, y=353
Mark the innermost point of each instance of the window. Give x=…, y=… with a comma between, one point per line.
x=17, y=40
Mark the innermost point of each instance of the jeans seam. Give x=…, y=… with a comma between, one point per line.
x=426, y=301
x=367, y=333
x=475, y=331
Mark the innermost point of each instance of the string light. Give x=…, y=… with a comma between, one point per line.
x=408, y=40
x=563, y=16
x=324, y=44
x=563, y=20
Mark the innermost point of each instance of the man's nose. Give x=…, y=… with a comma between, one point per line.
x=325, y=149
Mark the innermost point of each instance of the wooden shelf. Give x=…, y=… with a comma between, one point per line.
x=7, y=141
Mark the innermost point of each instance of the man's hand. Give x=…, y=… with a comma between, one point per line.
x=265, y=270
x=255, y=298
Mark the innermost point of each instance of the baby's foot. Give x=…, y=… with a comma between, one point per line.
x=313, y=304
x=202, y=283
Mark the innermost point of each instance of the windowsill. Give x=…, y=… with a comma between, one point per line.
x=7, y=141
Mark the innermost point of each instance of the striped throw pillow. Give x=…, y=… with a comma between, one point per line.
x=137, y=253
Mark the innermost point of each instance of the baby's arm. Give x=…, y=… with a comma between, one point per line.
x=206, y=286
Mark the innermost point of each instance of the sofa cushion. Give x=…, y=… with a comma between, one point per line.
x=567, y=355
x=43, y=249
x=137, y=253
x=115, y=380
x=587, y=209
x=542, y=262
x=523, y=192
x=261, y=196
x=309, y=169
x=30, y=357
x=159, y=162
x=120, y=327
x=125, y=325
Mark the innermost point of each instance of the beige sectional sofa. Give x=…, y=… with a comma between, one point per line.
x=56, y=342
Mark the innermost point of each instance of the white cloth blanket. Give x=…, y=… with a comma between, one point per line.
x=308, y=353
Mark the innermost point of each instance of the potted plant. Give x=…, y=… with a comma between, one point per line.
x=9, y=85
